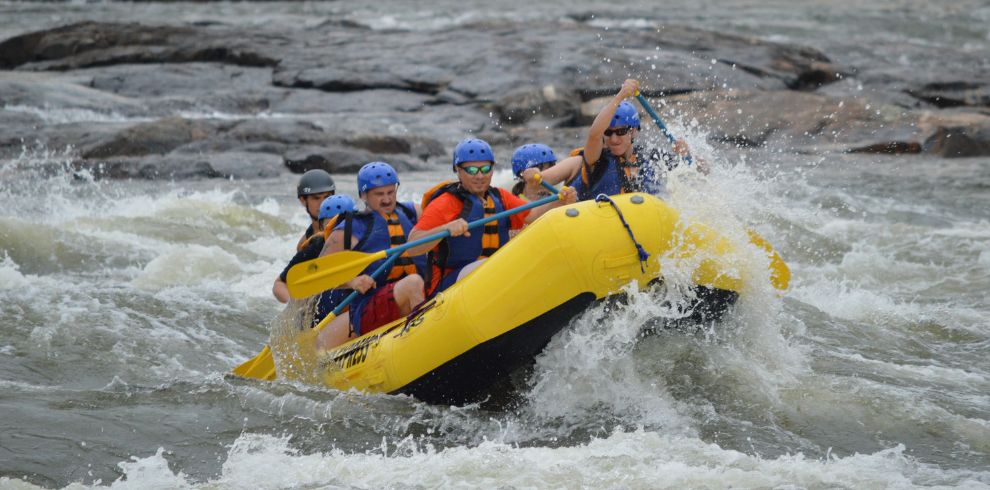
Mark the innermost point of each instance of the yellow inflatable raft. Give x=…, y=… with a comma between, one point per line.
x=456, y=345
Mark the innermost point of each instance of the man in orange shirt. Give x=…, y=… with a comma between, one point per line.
x=451, y=207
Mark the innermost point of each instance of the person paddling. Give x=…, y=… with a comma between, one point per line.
x=533, y=155
x=452, y=205
x=314, y=187
x=610, y=163
x=384, y=223
x=330, y=212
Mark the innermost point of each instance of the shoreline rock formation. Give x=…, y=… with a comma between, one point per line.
x=201, y=101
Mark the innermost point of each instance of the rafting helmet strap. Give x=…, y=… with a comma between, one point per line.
x=640, y=251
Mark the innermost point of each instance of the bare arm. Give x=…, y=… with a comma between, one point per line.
x=567, y=196
x=280, y=290
x=593, y=145
x=335, y=243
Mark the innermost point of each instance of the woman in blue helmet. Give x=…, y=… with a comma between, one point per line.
x=533, y=155
x=327, y=217
x=610, y=163
x=383, y=224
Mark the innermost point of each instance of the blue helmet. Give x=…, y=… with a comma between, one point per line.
x=625, y=115
x=376, y=174
x=531, y=155
x=334, y=205
x=472, y=150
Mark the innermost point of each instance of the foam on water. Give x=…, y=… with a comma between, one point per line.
x=636, y=459
x=10, y=275
x=60, y=115
x=187, y=266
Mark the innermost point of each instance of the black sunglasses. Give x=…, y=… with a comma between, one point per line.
x=617, y=131
x=485, y=169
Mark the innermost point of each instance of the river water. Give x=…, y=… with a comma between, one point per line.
x=124, y=304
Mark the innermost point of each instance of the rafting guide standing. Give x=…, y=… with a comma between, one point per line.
x=610, y=162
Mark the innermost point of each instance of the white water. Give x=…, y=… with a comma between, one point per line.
x=778, y=394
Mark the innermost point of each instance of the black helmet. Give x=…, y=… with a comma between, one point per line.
x=315, y=181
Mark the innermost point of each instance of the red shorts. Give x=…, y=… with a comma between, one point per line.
x=380, y=309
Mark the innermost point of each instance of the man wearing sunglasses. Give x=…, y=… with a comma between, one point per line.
x=451, y=207
x=610, y=163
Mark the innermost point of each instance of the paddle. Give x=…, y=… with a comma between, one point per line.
x=262, y=366
x=663, y=127
x=318, y=275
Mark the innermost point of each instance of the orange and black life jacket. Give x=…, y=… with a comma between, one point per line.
x=453, y=253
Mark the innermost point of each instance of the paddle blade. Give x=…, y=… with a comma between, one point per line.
x=262, y=366
x=780, y=274
x=315, y=276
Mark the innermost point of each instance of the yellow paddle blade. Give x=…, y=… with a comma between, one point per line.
x=780, y=274
x=315, y=276
x=262, y=366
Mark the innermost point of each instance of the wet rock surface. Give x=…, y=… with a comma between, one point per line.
x=203, y=100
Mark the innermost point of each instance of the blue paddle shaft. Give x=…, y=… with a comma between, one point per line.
x=394, y=253
x=474, y=224
x=374, y=275
x=663, y=127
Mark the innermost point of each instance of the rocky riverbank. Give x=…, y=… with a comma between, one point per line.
x=195, y=100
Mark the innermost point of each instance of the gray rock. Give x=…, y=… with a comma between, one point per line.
x=960, y=141
x=382, y=101
x=98, y=44
x=182, y=166
x=61, y=98
x=547, y=102
x=152, y=167
x=342, y=159
x=286, y=130
x=157, y=137
x=953, y=94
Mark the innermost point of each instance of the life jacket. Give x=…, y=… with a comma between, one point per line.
x=307, y=236
x=380, y=233
x=328, y=229
x=453, y=253
x=610, y=175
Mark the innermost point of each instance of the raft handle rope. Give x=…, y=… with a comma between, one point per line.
x=643, y=254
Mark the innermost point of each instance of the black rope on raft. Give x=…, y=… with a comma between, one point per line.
x=643, y=254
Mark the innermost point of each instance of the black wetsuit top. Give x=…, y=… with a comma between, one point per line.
x=309, y=252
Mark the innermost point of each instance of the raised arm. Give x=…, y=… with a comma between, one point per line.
x=593, y=145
